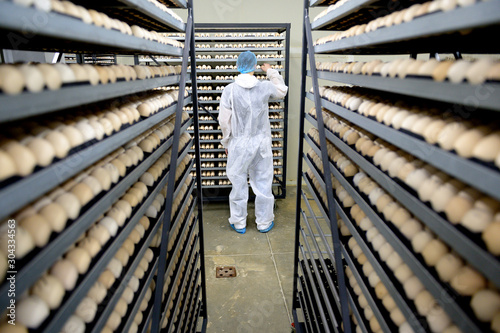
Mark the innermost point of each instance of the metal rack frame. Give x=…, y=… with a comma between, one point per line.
x=487, y=180
x=84, y=38
x=243, y=28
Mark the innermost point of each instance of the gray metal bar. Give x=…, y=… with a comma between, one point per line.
x=322, y=260
x=110, y=306
x=460, y=18
x=312, y=294
x=188, y=271
x=22, y=192
x=151, y=11
x=28, y=104
x=458, y=316
x=138, y=301
x=400, y=301
x=348, y=8
x=481, y=259
x=328, y=182
x=156, y=324
x=488, y=96
x=187, y=251
x=193, y=290
x=72, y=29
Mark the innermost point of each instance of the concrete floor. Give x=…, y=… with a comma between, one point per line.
x=259, y=299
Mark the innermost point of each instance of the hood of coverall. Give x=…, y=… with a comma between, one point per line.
x=246, y=81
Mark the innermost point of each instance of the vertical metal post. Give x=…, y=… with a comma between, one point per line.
x=162, y=260
x=344, y=304
x=295, y=296
x=199, y=199
x=285, y=116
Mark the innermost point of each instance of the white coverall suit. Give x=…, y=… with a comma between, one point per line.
x=244, y=120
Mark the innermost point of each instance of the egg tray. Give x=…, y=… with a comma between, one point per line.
x=475, y=237
x=111, y=292
x=52, y=44
x=128, y=315
x=462, y=301
x=135, y=17
x=310, y=286
x=468, y=42
x=381, y=308
x=368, y=13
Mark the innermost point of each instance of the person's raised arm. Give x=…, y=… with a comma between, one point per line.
x=277, y=80
x=225, y=113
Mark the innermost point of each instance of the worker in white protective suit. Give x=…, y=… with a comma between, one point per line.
x=246, y=130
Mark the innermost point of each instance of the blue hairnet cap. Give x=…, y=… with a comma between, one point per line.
x=246, y=63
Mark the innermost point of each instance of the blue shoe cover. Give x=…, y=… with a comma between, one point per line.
x=240, y=231
x=268, y=228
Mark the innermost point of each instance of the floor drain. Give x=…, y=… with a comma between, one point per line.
x=225, y=272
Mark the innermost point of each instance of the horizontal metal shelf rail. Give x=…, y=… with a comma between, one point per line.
x=27, y=189
x=424, y=88
x=31, y=104
x=348, y=8
x=71, y=29
x=477, y=15
x=478, y=257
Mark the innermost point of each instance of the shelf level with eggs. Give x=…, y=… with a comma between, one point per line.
x=85, y=169
x=217, y=48
x=412, y=151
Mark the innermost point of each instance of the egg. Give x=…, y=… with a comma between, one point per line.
x=450, y=134
x=70, y=203
x=32, y=311
x=403, y=273
x=427, y=68
x=83, y=192
x=388, y=302
x=124, y=206
x=66, y=272
x=120, y=166
x=7, y=166
x=424, y=302
x=38, y=228
x=91, y=245
x=468, y=281
x=73, y=135
x=441, y=70
x=12, y=80
x=112, y=171
x=66, y=74
x=488, y=148
x=411, y=228
x=23, y=158
x=438, y=319
x=107, y=279
x=98, y=292
x=115, y=267
x=110, y=225
x=80, y=258
x=50, y=290
x=416, y=178
x=100, y=233
x=74, y=325
x=456, y=72
x=477, y=72
x=465, y=143
x=476, y=219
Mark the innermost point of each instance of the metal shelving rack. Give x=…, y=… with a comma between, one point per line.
x=221, y=191
x=64, y=33
x=424, y=34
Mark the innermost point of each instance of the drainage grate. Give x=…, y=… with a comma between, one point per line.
x=225, y=272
